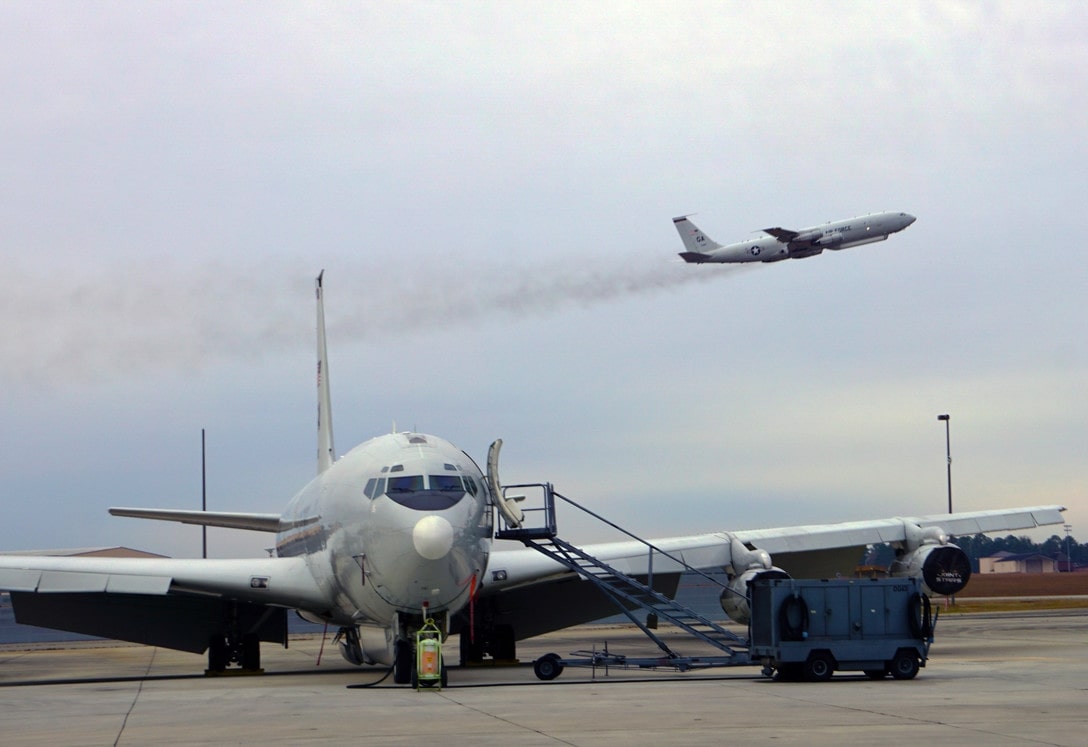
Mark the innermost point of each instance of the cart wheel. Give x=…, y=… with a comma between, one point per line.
x=548, y=667
x=905, y=664
x=819, y=667
x=876, y=674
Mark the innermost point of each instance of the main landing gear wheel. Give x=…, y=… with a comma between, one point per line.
x=548, y=667
x=403, y=668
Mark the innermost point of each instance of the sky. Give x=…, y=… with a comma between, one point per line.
x=489, y=189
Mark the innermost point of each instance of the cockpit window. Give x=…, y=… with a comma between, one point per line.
x=374, y=487
x=430, y=493
x=405, y=484
x=446, y=483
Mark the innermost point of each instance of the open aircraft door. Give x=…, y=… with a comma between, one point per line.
x=510, y=510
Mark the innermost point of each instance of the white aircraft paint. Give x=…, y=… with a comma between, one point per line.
x=781, y=243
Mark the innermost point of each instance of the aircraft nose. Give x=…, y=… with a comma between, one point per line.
x=432, y=537
x=910, y=218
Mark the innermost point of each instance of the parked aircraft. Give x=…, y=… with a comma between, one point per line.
x=782, y=243
x=400, y=530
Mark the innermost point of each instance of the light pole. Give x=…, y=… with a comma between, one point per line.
x=948, y=454
x=1068, y=546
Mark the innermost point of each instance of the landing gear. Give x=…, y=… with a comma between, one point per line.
x=404, y=670
x=504, y=646
x=218, y=657
x=472, y=652
x=224, y=650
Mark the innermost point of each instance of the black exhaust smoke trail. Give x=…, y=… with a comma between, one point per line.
x=56, y=330
x=443, y=300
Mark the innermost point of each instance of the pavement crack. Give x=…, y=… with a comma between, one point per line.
x=506, y=720
x=135, y=698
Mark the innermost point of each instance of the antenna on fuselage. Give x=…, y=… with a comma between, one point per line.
x=325, y=453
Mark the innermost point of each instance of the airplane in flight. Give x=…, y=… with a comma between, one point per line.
x=782, y=243
x=401, y=530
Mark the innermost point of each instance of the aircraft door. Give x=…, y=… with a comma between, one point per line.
x=507, y=507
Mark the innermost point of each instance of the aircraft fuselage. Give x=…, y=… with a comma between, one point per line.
x=778, y=244
x=399, y=524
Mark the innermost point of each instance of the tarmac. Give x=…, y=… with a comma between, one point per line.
x=997, y=679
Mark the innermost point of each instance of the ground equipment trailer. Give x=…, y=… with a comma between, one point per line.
x=808, y=629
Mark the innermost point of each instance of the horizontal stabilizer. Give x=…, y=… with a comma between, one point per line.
x=695, y=257
x=252, y=522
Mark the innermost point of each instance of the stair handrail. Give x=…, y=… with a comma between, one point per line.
x=650, y=545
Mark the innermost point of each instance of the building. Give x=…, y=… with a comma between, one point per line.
x=90, y=552
x=1007, y=562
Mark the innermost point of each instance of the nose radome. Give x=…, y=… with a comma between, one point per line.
x=432, y=537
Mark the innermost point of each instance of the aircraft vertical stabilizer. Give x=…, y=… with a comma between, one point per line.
x=697, y=244
x=325, y=453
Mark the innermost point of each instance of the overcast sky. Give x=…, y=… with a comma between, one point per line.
x=489, y=188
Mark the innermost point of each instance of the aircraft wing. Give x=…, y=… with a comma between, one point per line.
x=537, y=594
x=782, y=234
x=158, y=601
x=228, y=520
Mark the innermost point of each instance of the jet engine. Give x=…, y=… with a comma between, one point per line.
x=943, y=569
x=736, y=597
x=746, y=564
x=927, y=554
x=832, y=240
x=807, y=237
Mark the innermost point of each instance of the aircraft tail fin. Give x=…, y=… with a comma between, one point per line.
x=325, y=452
x=696, y=243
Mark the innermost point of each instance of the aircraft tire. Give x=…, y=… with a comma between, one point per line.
x=505, y=644
x=403, y=669
x=251, y=652
x=217, y=654
x=470, y=652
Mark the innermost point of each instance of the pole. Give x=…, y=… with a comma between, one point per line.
x=948, y=454
x=203, y=493
x=1068, y=547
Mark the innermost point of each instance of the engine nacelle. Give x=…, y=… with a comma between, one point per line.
x=943, y=569
x=366, y=645
x=807, y=237
x=736, y=597
x=831, y=241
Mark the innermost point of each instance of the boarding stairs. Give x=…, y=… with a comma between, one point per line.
x=629, y=593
